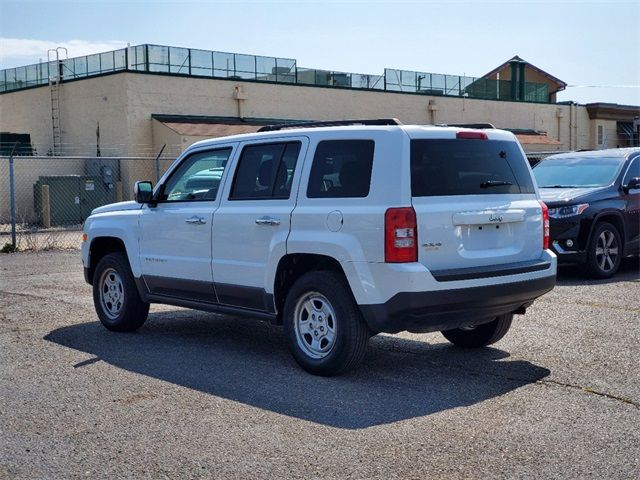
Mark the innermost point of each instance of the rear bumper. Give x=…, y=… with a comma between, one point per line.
x=445, y=309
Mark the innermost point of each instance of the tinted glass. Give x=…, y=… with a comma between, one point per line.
x=341, y=168
x=265, y=171
x=198, y=177
x=468, y=167
x=577, y=172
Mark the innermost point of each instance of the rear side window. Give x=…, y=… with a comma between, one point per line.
x=265, y=171
x=468, y=167
x=341, y=169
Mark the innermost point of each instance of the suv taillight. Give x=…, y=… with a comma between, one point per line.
x=400, y=235
x=545, y=225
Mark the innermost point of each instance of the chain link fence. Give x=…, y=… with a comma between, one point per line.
x=45, y=200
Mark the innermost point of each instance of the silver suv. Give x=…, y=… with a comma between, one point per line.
x=337, y=232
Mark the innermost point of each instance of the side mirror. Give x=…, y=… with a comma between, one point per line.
x=143, y=192
x=633, y=184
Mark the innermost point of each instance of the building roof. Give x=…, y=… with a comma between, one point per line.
x=213, y=127
x=209, y=130
x=562, y=85
x=527, y=136
x=536, y=139
x=612, y=111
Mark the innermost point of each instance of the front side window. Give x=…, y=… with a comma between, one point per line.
x=577, y=172
x=633, y=172
x=341, y=169
x=197, y=178
x=265, y=171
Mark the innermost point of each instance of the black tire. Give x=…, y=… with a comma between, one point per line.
x=113, y=284
x=351, y=334
x=601, y=262
x=480, y=335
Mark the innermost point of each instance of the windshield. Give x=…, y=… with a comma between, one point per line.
x=577, y=172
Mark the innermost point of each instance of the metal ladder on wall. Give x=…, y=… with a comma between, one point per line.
x=55, y=77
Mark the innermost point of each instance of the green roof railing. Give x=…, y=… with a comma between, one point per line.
x=159, y=59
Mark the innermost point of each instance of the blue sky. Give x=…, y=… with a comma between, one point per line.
x=594, y=45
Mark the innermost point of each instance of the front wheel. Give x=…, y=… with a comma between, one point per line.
x=323, y=325
x=605, y=251
x=115, y=296
x=480, y=335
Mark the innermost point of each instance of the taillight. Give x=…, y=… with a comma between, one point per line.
x=471, y=135
x=400, y=235
x=545, y=225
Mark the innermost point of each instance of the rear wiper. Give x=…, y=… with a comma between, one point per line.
x=494, y=183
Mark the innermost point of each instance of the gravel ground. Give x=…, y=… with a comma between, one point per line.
x=198, y=395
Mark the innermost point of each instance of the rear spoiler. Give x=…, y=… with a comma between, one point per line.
x=476, y=126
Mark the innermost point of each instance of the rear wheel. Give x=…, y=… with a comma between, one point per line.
x=324, y=327
x=480, y=335
x=605, y=251
x=115, y=296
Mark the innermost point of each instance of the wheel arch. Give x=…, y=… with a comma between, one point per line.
x=613, y=217
x=101, y=246
x=293, y=266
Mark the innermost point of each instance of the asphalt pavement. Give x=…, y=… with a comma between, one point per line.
x=201, y=395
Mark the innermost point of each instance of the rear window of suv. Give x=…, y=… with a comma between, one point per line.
x=468, y=167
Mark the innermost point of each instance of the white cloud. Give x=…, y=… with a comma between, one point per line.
x=24, y=51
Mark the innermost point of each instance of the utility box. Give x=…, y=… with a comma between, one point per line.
x=71, y=197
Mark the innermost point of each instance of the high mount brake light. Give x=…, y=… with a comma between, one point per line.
x=471, y=135
x=400, y=235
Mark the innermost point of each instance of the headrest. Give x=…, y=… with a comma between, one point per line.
x=265, y=173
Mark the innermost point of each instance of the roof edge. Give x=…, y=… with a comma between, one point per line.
x=516, y=58
x=208, y=119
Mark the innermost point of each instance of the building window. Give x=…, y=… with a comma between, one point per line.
x=600, y=135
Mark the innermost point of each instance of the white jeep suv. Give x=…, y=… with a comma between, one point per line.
x=337, y=231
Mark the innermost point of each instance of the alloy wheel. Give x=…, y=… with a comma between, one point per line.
x=606, y=251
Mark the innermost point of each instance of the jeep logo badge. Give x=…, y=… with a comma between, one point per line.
x=495, y=218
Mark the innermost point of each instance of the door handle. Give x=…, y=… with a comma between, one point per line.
x=195, y=220
x=267, y=221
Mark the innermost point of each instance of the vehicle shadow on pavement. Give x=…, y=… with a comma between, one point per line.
x=574, y=275
x=247, y=361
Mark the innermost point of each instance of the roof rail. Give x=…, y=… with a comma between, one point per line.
x=479, y=126
x=331, y=123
